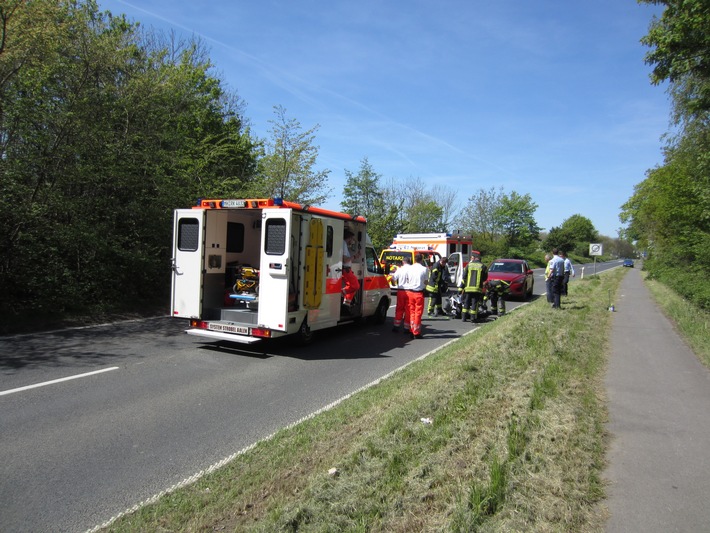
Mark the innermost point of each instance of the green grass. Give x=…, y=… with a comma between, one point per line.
x=692, y=322
x=516, y=442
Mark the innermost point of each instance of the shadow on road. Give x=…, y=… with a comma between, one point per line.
x=77, y=346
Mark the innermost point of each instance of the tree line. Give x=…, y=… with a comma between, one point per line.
x=669, y=213
x=106, y=128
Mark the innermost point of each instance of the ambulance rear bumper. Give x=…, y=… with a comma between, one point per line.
x=232, y=337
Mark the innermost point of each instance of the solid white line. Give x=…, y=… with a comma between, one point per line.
x=44, y=384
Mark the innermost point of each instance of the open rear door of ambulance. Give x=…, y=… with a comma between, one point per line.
x=274, y=269
x=187, y=261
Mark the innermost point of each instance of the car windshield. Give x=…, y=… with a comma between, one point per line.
x=393, y=257
x=503, y=266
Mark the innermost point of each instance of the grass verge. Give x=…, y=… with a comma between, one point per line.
x=692, y=322
x=501, y=431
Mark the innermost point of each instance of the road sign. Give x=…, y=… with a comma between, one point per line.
x=595, y=249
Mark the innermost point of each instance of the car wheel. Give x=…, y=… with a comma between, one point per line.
x=381, y=312
x=529, y=294
x=305, y=335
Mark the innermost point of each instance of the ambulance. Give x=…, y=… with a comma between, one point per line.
x=454, y=246
x=443, y=243
x=245, y=270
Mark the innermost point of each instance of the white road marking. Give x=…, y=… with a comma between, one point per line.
x=45, y=383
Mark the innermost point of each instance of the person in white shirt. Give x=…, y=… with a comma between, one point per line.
x=401, y=313
x=414, y=283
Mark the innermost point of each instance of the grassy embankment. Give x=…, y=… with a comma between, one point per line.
x=516, y=442
x=692, y=323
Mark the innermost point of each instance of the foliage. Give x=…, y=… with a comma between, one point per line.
x=691, y=320
x=363, y=195
x=515, y=215
x=421, y=212
x=477, y=219
x=104, y=130
x=680, y=53
x=581, y=228
x=669, y=212
x=288, y=168
x=560, y=238
x=396, y=207
x=573, y=236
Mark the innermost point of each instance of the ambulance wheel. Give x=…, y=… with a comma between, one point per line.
x=305, y=335
x=381, y=312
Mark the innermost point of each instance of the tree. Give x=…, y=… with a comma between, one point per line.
x=448, y=199
x=560, y=238
x=515, y=215
x=423, y=213
x=104, y=130
x=288, y=168
x=680, y=54
x=478, y=219
x=669, y=212
x=580, y=228
x=363, y=195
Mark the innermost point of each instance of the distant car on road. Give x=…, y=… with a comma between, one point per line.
x=629, y=263
x=517, y=273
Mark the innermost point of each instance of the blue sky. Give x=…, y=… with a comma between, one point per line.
x=549, y=98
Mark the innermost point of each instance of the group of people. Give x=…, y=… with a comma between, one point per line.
x=415, y=282
x=557, y=273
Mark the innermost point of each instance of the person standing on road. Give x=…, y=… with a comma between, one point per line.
x=548, y=278
x=401, y=313
x=557, y=273
x=569, y=271
x=437, y=286
x=415, y=282
x=474, y=275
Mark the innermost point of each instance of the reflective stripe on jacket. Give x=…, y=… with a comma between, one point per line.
x=476, y=273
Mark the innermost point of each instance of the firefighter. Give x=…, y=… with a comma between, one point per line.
x=474, y=275
x=436, y=286
x=496, y=289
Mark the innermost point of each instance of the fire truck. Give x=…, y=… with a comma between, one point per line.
x=244, y=270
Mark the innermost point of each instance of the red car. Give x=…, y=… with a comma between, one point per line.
x=517, y=273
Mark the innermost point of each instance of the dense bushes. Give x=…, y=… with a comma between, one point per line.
x=103, y=132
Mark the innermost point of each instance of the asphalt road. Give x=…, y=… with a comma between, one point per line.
x=94, y=421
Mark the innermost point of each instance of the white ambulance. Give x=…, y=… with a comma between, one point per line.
x=444, y=243
x=245, y=270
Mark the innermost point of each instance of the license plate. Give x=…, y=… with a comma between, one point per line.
x=241, y=330
x=234, y=203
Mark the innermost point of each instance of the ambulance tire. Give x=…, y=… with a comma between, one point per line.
x=305, y=334
x=381, y=312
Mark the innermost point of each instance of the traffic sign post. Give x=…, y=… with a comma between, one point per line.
x=595, y=249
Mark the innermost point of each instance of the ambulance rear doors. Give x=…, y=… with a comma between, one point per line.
x=275, y=269
x=188, y=249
